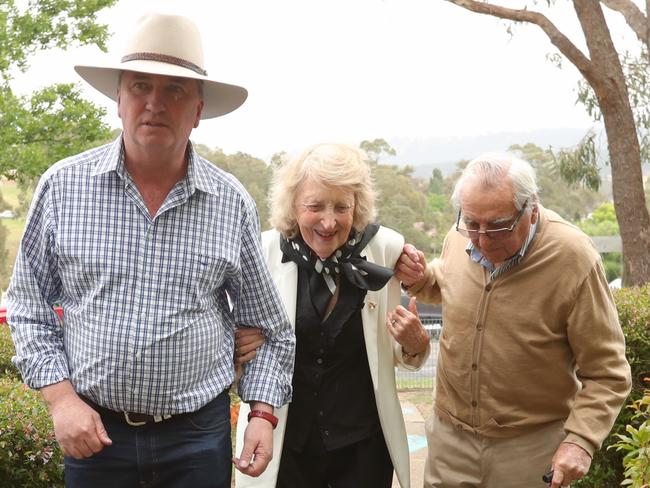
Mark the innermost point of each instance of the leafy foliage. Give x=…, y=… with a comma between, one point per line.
x=7, y=350
x=252, y=172
x=50, y=125
x=55, y=122
x=43, y=25
x=29, y=454
x=602, y=222
x=636, y=445
x=571, y=201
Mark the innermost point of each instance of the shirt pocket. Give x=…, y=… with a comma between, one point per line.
x=197, y=275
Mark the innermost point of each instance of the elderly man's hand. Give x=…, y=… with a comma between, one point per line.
x=409, y=268
x=570, y=463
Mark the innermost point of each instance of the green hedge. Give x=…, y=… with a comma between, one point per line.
x=634, y=313
x=29, y=453
x=6, y=352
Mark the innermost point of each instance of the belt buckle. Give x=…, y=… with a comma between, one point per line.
x=131, y=422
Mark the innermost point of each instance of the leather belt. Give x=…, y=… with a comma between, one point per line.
x=131, y=418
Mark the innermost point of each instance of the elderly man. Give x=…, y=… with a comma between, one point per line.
x=531, y=369
x=155, y=256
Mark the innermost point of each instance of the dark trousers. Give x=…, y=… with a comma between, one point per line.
x=364, y=464
x=192, y=450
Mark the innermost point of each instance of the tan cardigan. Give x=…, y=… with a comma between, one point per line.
x=384, y=353
x=540, y=343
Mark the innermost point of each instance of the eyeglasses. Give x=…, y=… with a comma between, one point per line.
x=338, y=208
x=496, y=234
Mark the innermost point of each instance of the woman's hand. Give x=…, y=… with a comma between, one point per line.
x=405, y=326
x=247, y=341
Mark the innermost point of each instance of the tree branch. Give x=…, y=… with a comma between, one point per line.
x=632, y=15
x=559, y=40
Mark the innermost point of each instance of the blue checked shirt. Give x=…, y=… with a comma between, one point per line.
x=148, y=323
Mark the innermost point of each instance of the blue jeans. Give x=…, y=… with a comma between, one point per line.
x=193, y=450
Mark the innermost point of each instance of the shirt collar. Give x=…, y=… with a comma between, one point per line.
x=198, y=176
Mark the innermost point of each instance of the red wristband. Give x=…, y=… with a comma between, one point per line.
x=263, y=415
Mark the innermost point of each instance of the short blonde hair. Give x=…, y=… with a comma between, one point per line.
x=332, y=165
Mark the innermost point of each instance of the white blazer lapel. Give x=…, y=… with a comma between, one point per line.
x=370, y=318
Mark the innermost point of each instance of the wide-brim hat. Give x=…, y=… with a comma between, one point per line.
x=167, y=45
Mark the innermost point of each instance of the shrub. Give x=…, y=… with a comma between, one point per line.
x=6, y=352
x=634, y=314
x=636, y=445
x=29, y=453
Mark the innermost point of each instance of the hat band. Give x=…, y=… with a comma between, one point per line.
x=163, y=58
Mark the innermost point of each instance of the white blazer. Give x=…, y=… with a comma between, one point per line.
x=384, y=353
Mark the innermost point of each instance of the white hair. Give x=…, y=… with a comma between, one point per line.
x=491, y=169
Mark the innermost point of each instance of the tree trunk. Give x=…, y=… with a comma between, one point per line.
x=608, y=82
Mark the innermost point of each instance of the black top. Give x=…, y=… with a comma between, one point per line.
x=332, y=386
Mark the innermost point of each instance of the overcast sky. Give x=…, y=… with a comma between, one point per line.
x=348, y=70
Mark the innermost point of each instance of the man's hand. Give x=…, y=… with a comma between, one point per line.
x=409, y=268
x=258, y=444
x=405, y=326
x=77, y=427
x=570, y=463
x=247, y=341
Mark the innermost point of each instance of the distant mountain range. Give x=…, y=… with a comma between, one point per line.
x=424, y=154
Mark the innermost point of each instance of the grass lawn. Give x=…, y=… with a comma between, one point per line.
x=15, y=232
x=9, y=191
x=422, y=399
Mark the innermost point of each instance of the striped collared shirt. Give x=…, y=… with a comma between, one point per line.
x=495, y=272
x=148, y=323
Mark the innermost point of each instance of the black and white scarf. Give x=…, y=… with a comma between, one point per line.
x=345, y=261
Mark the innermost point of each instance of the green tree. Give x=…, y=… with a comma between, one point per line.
x=55, y=122
x=614, y=96
x=602, y=222
x=401, y=207
x=4, y=264
x=252, y=172
x=377, y=148
x=571, y=201
x=436, y=182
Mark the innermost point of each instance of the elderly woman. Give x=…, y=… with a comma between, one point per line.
x=334, y=270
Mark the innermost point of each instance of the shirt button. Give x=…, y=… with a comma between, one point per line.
x=488, y=287
x=474, y=403
x=474, y=366
x=479, y=327
x=319, y=361
x=320, y=413
x=326, y=433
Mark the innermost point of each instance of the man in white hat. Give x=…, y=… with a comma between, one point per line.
x=154, y=254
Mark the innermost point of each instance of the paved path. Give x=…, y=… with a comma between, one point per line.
x=417, y=443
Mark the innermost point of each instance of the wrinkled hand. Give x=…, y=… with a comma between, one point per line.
x=409, y=268
x=77, y=427
x=570, y=463
x=405, y=326
x=247, y=341
x=258, y=448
